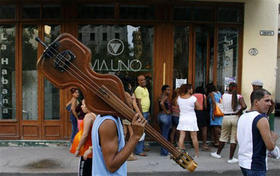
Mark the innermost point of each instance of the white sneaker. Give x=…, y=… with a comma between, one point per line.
x=215, y=155
x=233, y=160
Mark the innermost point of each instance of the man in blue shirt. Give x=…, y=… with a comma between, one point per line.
x=110, y=151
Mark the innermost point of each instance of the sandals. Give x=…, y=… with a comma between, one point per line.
x=205, y=148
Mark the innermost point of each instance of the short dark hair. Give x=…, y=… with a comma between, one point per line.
x=258, y=94
x=185, y=88
x=73, y=90
x=200, y=89
x=164, y=87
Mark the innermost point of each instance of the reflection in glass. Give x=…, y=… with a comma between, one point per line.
x=31, y=11
x=51, y=11
x=181, y=54
x=122, y=56
x=7, y=12
x=29, y=73
x=229, y=14
x=203, y=14
x=101, y=11
x=137, y=12
x=227, y=56
x=51, y=94
x=203, y=55
x=182, y=13
x=200, y=57
x=7, y=72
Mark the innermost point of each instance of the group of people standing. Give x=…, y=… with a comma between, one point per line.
x=189, y=112
x=186, y=111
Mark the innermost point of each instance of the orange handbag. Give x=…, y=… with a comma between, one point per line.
x=218, y=111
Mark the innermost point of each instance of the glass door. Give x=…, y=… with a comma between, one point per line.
x=202, y=55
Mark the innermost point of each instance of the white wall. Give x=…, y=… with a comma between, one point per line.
x=259, y=15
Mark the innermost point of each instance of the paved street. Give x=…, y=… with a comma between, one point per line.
x=56, y=160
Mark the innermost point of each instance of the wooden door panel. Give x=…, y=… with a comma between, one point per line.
x=8, y=130
x=30, y=131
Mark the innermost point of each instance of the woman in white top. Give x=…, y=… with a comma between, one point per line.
x=233, y=105
x=187, y=119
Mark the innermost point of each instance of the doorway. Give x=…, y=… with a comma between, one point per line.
x=193, y=55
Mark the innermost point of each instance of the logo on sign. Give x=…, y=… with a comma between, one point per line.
x=115, y=47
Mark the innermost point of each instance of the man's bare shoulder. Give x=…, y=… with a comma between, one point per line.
x=108, y=127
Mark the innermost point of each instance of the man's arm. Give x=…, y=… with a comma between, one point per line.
x=268, y=137
x=109, y=142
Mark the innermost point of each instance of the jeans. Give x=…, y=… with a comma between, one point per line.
x=74, y=126
x=165, y=122
x=248, y=172
x=140, y=145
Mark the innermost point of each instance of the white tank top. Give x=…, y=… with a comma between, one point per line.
x=226, y=99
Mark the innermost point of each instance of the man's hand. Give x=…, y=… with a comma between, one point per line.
x=138, y=124
x=77, y=153
x=87, y=153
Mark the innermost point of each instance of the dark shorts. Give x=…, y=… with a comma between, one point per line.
x=202, y=118
x=85, y=167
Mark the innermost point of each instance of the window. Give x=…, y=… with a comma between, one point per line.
x=29, y=73
x=52, y=96
x=181, y=54
x=92, y=36
x=31, y=11
x=51, y=12
x=124, y=57
x=7, y=12
x=227, y=65
x=80, y=36
x=137, y=12
x=101, y=11
x=230, y=14
x=117, y=35
x=104, y=36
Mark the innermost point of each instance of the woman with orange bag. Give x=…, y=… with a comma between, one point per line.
x=82, y=142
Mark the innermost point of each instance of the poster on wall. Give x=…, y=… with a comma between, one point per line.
x=228, y=80
x=179, y=82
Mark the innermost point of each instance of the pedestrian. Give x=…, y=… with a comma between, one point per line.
x=202, y=115
x=254, y=135
x=233, y=105
x=82, y=142
x=131, y=100
x=71, y=107
x=215, y=122
x=143, y=98
x=187, y=119
x=164, y=116
x=257, y=84
x=109, y=149
x=175, y=116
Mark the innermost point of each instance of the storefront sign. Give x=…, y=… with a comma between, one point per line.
x=5, y=78
x=266, y=32
x=115, y=47
x=130, y=65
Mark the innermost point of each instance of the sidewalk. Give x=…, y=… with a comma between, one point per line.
x=56, y=160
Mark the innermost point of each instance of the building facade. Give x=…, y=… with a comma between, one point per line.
x=168, y=41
